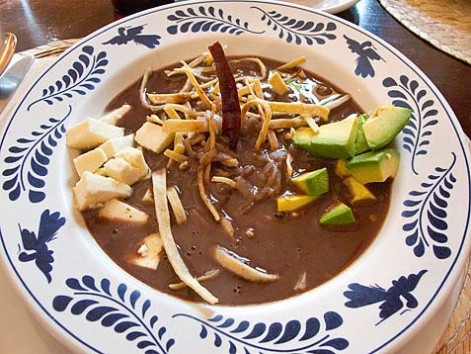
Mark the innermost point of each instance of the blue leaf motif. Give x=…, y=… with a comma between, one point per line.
x=312, y=336
x=203, y=332
x=206, y=19
x=112, y=308
x=35, y=182
x=274, y=332
x=134, y=335
x=408, y=94
x=89, y=282
x=79, y=78
x=257, y=331
x=30, y=159
x=297, y=31
x=243, y=325
x=332, y=320
x=105, y=286
x=97, y=313
x=60, y=303
x=426, y=215
x=80, y=306
x=161, y=332
x=292, y=329
x=313, y=326
x=112, y=319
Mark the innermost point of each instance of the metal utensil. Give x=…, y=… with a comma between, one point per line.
x=7, y=49
x=12, y=78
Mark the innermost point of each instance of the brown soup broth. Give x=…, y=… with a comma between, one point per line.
x=287, y=244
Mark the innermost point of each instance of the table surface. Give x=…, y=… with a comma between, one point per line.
x=38, y=22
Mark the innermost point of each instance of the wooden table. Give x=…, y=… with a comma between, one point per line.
x=37, y=22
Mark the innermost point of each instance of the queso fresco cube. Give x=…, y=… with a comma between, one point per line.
x=90, y=133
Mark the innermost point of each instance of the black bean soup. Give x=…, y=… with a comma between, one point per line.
x=293, y=245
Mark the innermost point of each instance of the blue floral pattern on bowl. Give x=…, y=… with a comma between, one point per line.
x=82, y=76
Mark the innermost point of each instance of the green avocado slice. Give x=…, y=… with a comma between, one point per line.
x=384, y=125
x=302, y=138
x=286, y=203
x=333, y=140
x=339, y=214
x=374, y=166
x=313, y=183
x=361, y=144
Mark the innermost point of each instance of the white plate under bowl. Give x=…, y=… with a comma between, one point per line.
x=329, y=6
x=383, y=301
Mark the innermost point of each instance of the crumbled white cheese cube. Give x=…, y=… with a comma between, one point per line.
x=128, y=166
x=90, y=161
x=121, y=170
x=147, y=253
x=152, y=137
x=112, y=146
x=115, y=115
x=92, y=190
x=135, y=157
x=117, y=210
x=90, y=133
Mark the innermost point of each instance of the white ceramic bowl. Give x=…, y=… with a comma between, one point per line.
x=381, y=303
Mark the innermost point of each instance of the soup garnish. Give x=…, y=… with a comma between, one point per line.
x=235, y=180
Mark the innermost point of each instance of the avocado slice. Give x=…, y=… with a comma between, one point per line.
x=341, y=169
x=336, y=140
x=361, y=145
x=293, y=202
x=359, y=192
x=302, y=138
x=339, y=214
x=333, y=140
x=374, y=166
x=384, y=124
x=313, y=183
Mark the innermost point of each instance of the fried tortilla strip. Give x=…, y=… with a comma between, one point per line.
x=184, y=125
x=176, y=155
x=176, y=204
x=159, y=185
x=210, y=274
x=266, y=114
x=284, y=123
x=221, y=179
x=204, y=197
x=161, y=98
x=311, y=123
x=172, y=109
x=196, y=85
x=292, y=64
x=313, y=110
x=272, y=140
x=301, y=284
x=232, y=262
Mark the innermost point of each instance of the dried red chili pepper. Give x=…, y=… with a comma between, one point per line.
x=229, y=96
